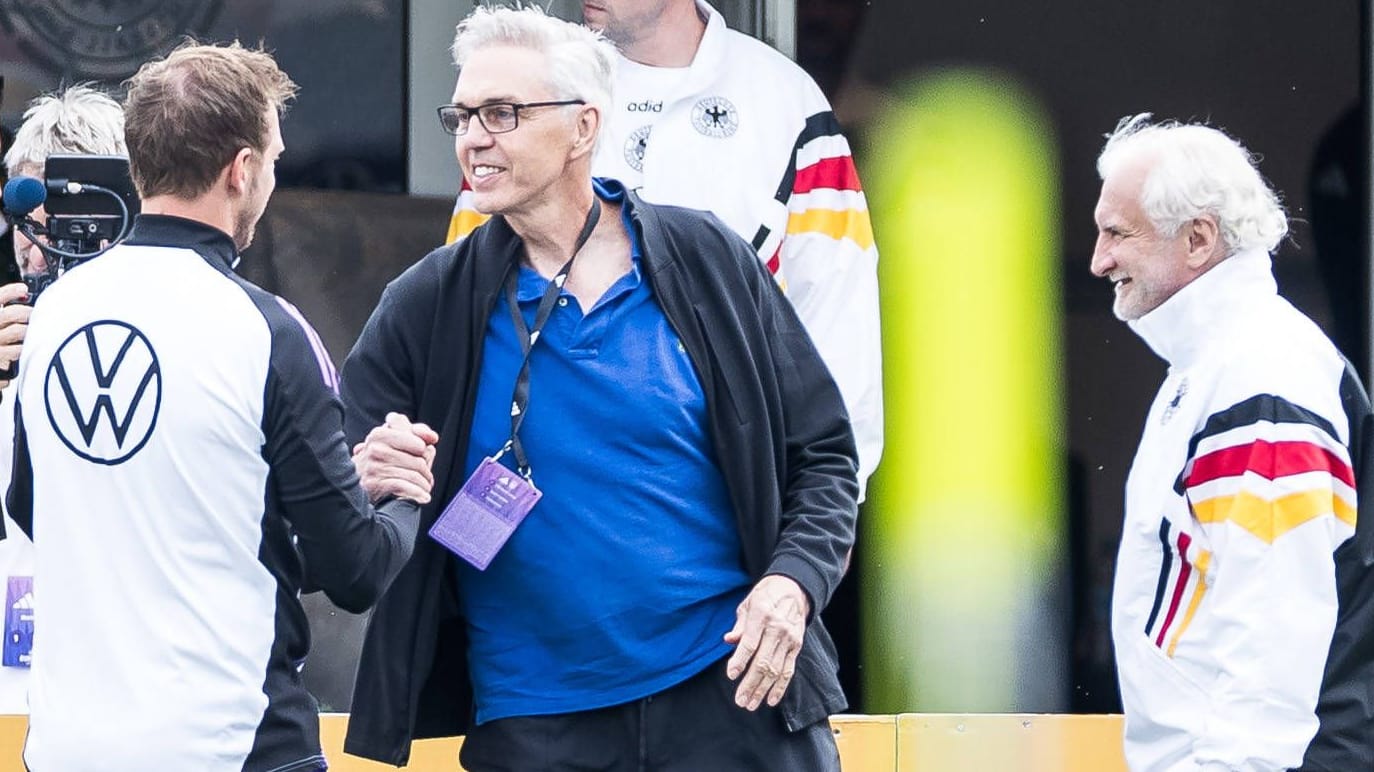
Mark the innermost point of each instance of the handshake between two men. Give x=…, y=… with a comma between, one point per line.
x=396, y=459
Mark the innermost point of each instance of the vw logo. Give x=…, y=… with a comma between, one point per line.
x=103, y=390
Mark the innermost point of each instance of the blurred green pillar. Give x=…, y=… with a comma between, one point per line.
x=964, y=602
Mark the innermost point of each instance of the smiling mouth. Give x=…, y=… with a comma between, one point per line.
x=483, y=171
x=1119, y=283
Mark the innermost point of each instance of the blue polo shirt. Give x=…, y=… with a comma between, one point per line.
x=625, y=576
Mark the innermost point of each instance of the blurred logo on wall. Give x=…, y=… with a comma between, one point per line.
x=103, y=39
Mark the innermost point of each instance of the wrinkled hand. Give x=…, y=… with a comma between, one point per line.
x=395, y=459
x=769, y=626
x=14, y=323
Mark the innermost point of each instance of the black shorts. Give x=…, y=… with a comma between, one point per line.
x=692, y=727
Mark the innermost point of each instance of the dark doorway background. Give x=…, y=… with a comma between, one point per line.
x=1284, y=78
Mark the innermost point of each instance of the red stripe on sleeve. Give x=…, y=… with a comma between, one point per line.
x=828, y=173
x=1270, y=460
x=775, y=261
x=1184, y=571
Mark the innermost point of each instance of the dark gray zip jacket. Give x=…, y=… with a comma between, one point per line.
x=776, y=418
x=1345, y=708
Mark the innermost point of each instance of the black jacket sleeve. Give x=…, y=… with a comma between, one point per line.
x=350, y=550
x=19, y=497
x=382, y=371
x=820, y=489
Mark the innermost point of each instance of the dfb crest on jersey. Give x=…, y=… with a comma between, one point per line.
x=1172, y=407
x=635, y=147
x=103, y=390
x=715, y=117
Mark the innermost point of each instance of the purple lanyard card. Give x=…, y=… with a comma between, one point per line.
x=484, y=513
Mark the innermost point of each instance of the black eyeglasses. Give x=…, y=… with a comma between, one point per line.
x=496, y=118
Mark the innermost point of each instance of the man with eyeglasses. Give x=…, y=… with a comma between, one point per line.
x=496, y=118
x=646, y=485
x=709, y=118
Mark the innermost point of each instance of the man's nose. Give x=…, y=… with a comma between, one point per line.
x=1102, y=261
x=476, y=135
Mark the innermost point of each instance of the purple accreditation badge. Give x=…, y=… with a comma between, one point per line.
x=479, y=520
x=18, y=622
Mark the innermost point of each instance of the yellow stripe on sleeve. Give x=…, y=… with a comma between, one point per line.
x=1268, y=520
x=1200, y=587
x=852, y=224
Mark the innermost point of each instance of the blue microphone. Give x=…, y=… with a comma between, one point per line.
x=23, y=195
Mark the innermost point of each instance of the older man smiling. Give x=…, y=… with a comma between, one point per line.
x=1242, y=614
x=647, y=483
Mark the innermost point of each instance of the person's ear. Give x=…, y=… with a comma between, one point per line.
x=587, y=126
x=1204, y=241
x=239, y=174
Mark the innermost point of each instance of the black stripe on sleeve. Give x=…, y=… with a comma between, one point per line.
x=1261, y=407
x=760, y=237
x=1165, y=566
x=819, y=125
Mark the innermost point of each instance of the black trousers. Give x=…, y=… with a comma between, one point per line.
x=692, y=727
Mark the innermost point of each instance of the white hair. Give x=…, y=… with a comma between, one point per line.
x=79, y=120
x=1196, y=170
x=581, y=61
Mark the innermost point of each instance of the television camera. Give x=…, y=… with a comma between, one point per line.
x=90, y=203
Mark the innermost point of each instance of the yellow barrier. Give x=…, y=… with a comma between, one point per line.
x=910, y=742
x=1006, y=743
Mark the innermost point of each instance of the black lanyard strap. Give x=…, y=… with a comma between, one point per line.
x=528, y=336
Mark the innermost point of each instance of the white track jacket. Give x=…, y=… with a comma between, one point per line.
x=1239, y=496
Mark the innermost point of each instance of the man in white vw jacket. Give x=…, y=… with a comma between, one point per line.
x=1242, y=614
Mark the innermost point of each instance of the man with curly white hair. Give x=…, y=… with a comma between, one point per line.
x=1243, y=607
